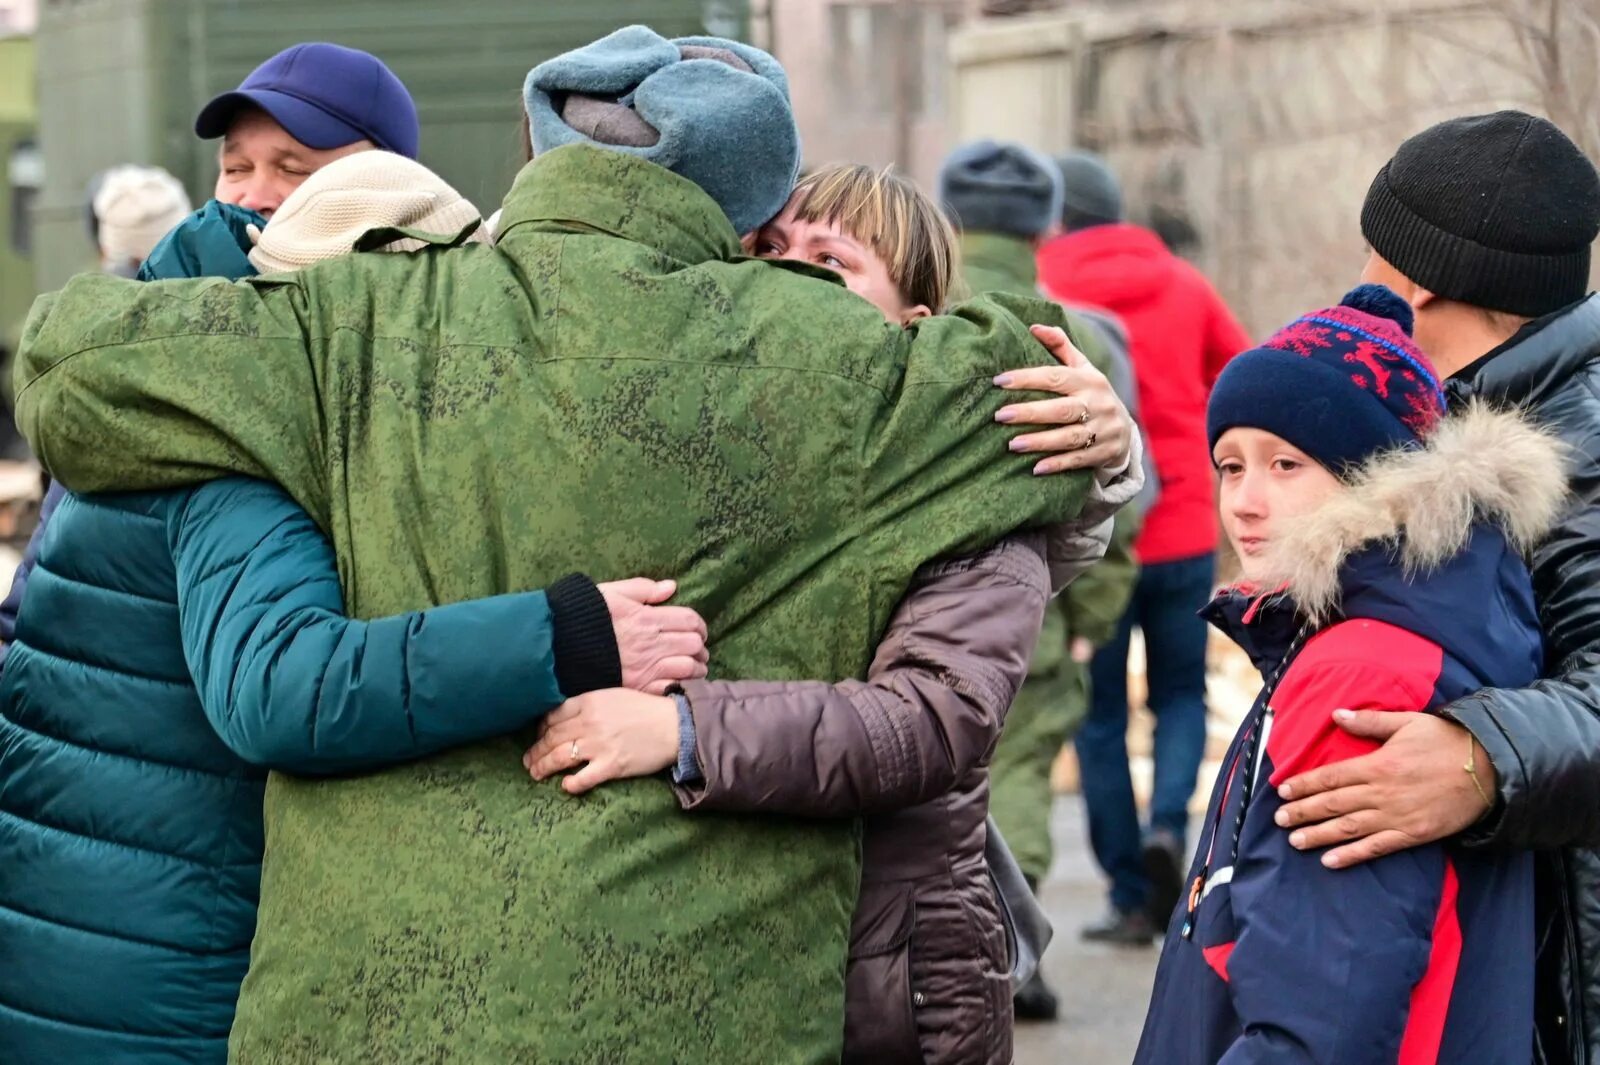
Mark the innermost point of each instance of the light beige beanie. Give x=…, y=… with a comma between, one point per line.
x=134, y=208
x=329, y=213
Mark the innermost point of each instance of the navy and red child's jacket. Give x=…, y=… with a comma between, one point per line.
x=1415, y=579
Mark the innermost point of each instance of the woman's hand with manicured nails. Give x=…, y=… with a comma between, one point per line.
x=1101, y=442
x=612, y=734
x=1411, y=791
x=660, y=645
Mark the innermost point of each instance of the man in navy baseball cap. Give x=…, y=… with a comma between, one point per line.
x=299, y=111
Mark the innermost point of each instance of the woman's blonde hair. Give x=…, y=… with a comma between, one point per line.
x=893, y=217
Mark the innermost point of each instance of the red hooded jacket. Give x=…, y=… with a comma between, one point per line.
x=1181, y=335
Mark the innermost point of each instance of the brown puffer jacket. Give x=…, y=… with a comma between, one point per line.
x=928, y=975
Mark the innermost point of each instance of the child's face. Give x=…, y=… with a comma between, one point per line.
x=825, y=244
x=1267, y=483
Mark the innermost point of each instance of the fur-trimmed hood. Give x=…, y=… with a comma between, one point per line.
x=1479, y=466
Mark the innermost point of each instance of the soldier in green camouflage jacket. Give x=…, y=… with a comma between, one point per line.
x=613, y=387
x=1005, y=197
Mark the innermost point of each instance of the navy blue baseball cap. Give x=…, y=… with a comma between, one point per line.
x=326, y=96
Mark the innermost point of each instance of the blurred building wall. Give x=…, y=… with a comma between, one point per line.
x=869, y=78
x=1247, y=131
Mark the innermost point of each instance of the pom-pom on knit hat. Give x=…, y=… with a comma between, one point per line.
x=1340, y=384
x=327, y=216
x=710, y=110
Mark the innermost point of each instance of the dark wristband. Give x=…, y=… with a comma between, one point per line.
x=584, y=641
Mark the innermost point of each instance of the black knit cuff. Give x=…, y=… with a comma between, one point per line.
x=584, y=641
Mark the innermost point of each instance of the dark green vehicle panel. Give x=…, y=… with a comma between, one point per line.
x=121, y=81
x=20, y=173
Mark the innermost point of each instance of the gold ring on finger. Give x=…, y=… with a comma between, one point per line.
x=1089, y=441
x=574, y=750
x=1083, y=419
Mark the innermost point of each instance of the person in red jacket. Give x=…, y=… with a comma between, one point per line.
x=1181, y=336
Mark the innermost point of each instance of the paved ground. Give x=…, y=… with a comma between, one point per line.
x=1103, y=990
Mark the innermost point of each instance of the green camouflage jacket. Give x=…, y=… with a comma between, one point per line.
x=999, y=262
x=1092, y=604
x=612, y=389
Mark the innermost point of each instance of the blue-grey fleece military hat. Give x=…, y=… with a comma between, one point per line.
x=711, y=110
x=1089, y=189
x=1000, y=187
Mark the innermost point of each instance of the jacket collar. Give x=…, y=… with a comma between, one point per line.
x=1003, y=254
x=1477, y=606
x=1422, y=539
x=1539, y=360
x=1411, y=511
x=1264, y=626
x=581, y=188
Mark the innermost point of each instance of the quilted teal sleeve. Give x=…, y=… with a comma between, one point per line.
x=289, y=682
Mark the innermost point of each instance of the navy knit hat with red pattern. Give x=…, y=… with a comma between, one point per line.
x=1339, y=384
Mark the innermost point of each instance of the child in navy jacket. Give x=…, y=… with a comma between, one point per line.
x=1381, y=547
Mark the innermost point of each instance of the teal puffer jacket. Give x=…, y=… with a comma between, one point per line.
x=169, y=647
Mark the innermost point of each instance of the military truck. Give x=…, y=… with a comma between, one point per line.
x=120, y=81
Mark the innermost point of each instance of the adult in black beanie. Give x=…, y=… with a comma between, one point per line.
x=1484, y=226
x=1497, y=211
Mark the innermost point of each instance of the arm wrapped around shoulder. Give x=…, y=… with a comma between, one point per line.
x=138, y=385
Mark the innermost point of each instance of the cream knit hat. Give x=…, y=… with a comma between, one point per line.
x=336, y=206
x=134, y=208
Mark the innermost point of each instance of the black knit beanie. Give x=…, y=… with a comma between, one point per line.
x=1498, y=211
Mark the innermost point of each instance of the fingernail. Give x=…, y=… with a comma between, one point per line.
x=1019, y=444
x=1005, y=414
x=1041, y=468
x=1282, y=819
x=1343, y=715
x=1002, y=380
x=1331, y=861
x=1286, y=792
x=1297, y=840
